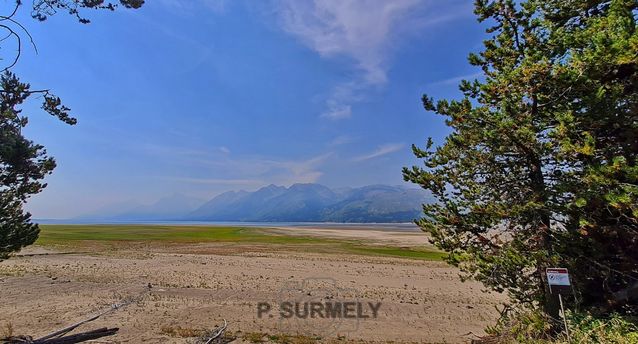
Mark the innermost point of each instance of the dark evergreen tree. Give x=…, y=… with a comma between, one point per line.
x=540, y=167
x=24, y=164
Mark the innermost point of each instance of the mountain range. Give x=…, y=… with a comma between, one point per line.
x=297, y=203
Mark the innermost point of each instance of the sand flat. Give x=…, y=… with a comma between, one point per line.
x=195, y=286
x=369, y=234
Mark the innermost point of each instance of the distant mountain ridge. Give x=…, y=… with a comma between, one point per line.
x=272, y=203
x=167, y=208
x=315, y=203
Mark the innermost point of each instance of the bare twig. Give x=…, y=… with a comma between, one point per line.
x=18, y=40
x=26, y=92
x=23, y=29
x=15, y=9
x=12, y=32
x=215, y=334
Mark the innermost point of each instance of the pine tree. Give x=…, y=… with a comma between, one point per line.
x=24, y=164
x=540, y=167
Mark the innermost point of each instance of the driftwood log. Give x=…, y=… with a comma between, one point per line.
x=82, y=337
x=70, y=339
x=60, y=337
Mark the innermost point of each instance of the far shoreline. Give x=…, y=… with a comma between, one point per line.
x=381, y=226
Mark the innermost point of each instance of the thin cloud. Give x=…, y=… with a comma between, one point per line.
x=357, y=29
x=216, y=181
x=362, y=30
x=305, y=171
x=338, y=111
x=190, y=6
x=456, y=80
x=217, y=6
x=338, y=102
x=381, y=151
x=220, y=167
x=282, y=172
x=340, y=140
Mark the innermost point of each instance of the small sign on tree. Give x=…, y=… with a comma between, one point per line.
x=558, y=280
x=559, y=284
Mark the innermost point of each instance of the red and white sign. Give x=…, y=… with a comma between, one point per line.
x=557, y=277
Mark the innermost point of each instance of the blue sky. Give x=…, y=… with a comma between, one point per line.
x=199, y=97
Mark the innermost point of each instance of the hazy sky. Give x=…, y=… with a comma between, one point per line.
x=202, y=96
